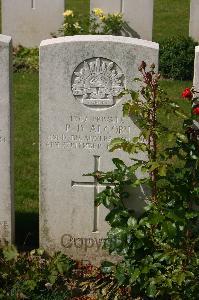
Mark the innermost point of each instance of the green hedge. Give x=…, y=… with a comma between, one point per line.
x=177, y=58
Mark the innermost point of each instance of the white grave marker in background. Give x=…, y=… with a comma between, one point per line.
x=28, y=22
x=196, y=69
x=80, y=112
x=111, y=6
x=6, y=140
x=137, y=13
x=193, y=22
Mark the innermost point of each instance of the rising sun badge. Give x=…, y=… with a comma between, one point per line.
x=97, y=83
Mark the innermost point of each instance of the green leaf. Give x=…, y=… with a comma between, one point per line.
x=132, y=223
x=120, y=274
x=170, y=229
x=179, y=278
x=192, y=215
x=139, y=234
x=170, y=136
x=151, y=290
x=10, y=253
x=53, y=276
x=134, y=275
x=180, y=114
x=63, y=263
x=182, y=137
x=162, y=170
x=107, y=267
x=119, y=163
x=153, y=166
x=116, y=144
x=117, y=217
x=134, y=95
x=40, y=251
x=126, y=109
x=29, y=285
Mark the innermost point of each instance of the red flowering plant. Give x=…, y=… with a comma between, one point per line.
x=191, y=125
x=160, y=246
x=187, y=93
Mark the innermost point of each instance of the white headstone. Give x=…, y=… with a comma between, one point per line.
x=196, y=69
x=110, y=6
x=137, y=13
x=28, y=22
x=6, y=163
x=80, y=113
x=193, y=22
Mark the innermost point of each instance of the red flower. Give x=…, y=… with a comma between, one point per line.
x=196, y=110
x=187, y=93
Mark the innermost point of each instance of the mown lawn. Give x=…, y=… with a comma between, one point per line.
x=82, y=6
x=171, y=18
x=26, y=134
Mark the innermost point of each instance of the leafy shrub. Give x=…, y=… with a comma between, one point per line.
x=96, y=23
x=33, y=275
x=37, y=276
x=25, y=59
x=160, y=247
x=177, y=58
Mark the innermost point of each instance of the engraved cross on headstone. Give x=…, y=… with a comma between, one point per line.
x=33, y=4
x=96, y=185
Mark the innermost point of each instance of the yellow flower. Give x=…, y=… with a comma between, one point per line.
x=98, y=12
x=77, y=26
x=102, y=18
x=68, y=13
x=117, y=15
x=65, y=25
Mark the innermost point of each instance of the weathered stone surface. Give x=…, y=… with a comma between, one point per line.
x=110, y=6
x=196, y=69
x=193, y=22
x=138, y=14
x=80, y=112
x=6, y=161
x=28, y=22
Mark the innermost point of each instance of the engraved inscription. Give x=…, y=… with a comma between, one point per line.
x=84, y=243
x=89, y=133
x=97, y=83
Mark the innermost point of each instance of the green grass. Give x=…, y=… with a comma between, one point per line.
x=26, y=136
x=171, y=18
x=174, y=89
x=80, y=6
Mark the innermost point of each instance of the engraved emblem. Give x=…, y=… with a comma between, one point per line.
x=97, y=83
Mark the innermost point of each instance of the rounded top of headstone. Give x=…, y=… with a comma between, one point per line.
x=197, y=48
x=5, y=39
x=100, y=38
